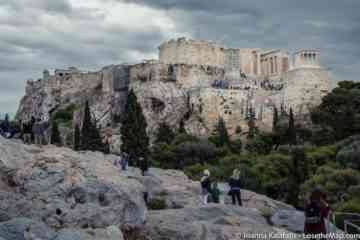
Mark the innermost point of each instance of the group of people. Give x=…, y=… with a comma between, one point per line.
x=6, y=130
x=316, y=208
x=35, y=131
x=122, y=162
x=212, y=193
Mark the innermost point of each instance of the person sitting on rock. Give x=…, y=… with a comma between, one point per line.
x=316, y=211
x=205, y=186
x=235, y=184
x=215, y=193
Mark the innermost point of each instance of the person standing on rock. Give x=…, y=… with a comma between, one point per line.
x=205, y=186
x=235, y=190
x=144, y=166
x=124, y=162
x=36, y=131
x=316, y=212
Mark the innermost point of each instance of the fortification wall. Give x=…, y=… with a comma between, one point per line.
x=305, y=88
x=186, y=76
x=192, y=52
x=233, y=106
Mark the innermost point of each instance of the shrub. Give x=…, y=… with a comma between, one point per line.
x=195, y=171
x=274, y=175
x=348, y=156
x=261, y=144
x=156, y=204
x=352, y=206
x=336, y=183
x=65, y=115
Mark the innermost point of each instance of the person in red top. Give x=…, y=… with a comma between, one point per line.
x=316, y=212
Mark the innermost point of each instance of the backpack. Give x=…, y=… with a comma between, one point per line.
x=312, y=214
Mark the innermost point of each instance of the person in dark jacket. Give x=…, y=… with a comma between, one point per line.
x=234, y=183
x=205, y=186
x=144, y=166
x=215, y=193
x=316, y=212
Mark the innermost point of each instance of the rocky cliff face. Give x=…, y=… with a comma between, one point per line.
x=55, y=193
x=170, y=93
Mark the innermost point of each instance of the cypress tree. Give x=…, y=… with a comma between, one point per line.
x=182, y=127
x=164, y=134
x=135, y=141
x=299, y=172
x=222, y=133
x=90, y=135
x=292, y=129
x=77, y=138
x=251, y=124
x=275, y=119
x=55, y=138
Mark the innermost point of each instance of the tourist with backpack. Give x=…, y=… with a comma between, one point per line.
x=235, y=184
x=205, y=186
x=316, y=212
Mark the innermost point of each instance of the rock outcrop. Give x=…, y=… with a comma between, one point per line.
x=211, y=222
x=55, y=193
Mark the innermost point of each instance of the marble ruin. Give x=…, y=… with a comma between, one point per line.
x=196, y=81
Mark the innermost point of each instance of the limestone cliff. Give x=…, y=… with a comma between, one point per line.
x=174, y=91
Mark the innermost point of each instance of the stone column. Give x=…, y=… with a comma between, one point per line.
x=259, y=64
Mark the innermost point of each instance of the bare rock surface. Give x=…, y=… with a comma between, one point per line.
x=82, y=195
x=210, y=222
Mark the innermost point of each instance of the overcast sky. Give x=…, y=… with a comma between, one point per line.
x=89, y=34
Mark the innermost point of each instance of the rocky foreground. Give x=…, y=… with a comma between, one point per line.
x=55, y=193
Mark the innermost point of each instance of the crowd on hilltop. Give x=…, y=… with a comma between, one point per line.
x=247, y=85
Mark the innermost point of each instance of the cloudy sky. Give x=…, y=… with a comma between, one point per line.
x=89, y=34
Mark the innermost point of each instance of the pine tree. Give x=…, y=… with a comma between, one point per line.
x=90, y=135
x=299, y=172
x=135, y=141
x=182, y=127
x=252, y=125
x=292, y=129
x=222, y=133
x=275, y=119
x=164, y=134
x=77, y=138
x=55, y=138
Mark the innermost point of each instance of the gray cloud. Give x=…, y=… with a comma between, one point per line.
x=39, y=34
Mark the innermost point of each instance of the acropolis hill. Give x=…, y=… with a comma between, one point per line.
x=195, y=81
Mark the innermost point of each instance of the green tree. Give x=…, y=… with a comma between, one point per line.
x=77, y=138
x=135, y=141
x=275, y=119
x=221, y=134
x=164, y=134
x=292, y=129
x=299, y=172
x=182, y=127
x=253, y=130
x=55, y=138
x=340, y=110
x=90, y=135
